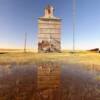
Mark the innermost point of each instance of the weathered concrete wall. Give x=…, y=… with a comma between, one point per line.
x=49, y=31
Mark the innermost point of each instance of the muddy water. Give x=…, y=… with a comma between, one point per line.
x=49, y=82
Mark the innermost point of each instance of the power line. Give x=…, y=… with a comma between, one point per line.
x=74, y=23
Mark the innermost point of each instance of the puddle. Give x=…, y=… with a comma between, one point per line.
x=48, y=82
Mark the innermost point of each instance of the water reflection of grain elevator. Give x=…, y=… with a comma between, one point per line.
x=48, y=82
x=49, y=30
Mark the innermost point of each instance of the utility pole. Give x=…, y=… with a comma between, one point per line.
x=25, y=41
x=74, y=23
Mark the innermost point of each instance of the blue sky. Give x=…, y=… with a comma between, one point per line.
x=20, y=16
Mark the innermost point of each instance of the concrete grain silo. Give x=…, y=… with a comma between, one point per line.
x=49, y=32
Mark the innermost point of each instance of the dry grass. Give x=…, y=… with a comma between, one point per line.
x=80, y=57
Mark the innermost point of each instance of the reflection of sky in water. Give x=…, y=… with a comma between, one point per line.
x=49, y=82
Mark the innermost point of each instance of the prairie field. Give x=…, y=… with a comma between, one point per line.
x=49, y=76
x=30, y=57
